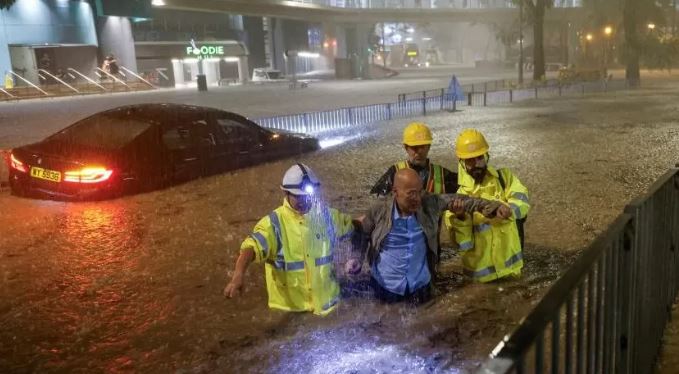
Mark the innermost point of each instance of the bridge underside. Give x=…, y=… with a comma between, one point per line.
x=316, y=13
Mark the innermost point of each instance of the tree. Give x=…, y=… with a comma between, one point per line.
x=535, y=10
x=6, y=4
x=634, y=16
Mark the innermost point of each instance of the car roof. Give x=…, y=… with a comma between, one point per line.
x=154, y=110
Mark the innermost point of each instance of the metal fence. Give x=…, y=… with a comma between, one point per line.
x=315, y=122
x=608, y=312
x=421, y=103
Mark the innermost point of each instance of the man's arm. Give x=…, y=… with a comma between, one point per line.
x=384, y=185
x=235, y=287
x=470, y=204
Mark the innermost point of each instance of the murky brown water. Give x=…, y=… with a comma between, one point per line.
x=134, y=284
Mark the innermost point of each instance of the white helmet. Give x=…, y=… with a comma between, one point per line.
x=300, y=180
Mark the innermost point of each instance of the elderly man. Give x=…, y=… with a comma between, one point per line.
x=296, y=243
x=403, y=234
x=491, y=248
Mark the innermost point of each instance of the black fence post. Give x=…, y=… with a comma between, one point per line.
x=389, y=111
x=424, y=103
x=485, y=98
x=511, y=95
x=443, y=93
x=469, y=99
x=536, y=92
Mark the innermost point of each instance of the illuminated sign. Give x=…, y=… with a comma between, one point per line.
x=412, y=53
x=205, y=51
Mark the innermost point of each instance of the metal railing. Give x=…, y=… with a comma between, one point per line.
x=421, y=103
x=608, y=312
x=316, y=122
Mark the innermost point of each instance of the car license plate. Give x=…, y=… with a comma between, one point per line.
x=46, y=174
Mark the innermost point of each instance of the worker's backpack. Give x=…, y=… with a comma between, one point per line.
x=519, y=222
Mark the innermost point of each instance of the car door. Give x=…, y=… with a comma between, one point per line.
x=246, y=141
x=182, y=150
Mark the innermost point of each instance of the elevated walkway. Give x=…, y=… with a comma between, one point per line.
x=320, y=12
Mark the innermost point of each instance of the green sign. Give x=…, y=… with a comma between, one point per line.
x=205, y=51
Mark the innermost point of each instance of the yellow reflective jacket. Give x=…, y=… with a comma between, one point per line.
x=434, y=183
x=490, y=247
x=297, y=251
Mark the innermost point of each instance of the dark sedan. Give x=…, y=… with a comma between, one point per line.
x=146, y=146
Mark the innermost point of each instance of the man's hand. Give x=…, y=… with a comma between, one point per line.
x=235, y=287
x=457, y=206
x=353, y=266
x=503, y=212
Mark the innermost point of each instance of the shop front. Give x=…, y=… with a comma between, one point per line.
x=177, y=64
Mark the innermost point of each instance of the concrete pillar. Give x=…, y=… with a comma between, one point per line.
x=243, y=70
x=115, y=37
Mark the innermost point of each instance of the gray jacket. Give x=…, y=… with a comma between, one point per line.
x=378, y=220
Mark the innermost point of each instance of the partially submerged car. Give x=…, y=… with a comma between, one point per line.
x=142, y=147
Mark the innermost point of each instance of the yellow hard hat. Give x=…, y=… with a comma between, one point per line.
x=417, y=133
x=470, y=144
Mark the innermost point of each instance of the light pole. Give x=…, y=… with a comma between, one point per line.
x=608, y=31
x=520, y=41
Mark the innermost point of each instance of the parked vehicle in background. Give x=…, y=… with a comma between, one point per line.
x=264, y=75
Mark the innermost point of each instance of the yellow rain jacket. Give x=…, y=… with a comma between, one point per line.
x=297, y=251
x=490, y=247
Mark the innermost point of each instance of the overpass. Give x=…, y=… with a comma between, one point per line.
x=322, y=11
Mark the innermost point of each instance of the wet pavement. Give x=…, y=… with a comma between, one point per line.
x=134, y=284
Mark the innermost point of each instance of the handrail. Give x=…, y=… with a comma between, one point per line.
x=113, y=77
x=137, y=76
x=7, y=93
x=620, y=288
x=28, y=82
x=87, y=78
x=58, y=80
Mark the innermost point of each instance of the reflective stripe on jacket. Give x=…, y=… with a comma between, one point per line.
x=434, y=183
x=491, y=248
x=298, y=254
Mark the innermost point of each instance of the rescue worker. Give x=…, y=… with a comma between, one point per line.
x=491, y=248
x=403, y=234
x=417, y=139
x=296, y=243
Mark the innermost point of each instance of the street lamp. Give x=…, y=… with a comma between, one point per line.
x=651, y=26
x=608, y=30
x=589, y=37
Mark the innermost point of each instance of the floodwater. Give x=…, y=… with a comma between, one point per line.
x=134, y=284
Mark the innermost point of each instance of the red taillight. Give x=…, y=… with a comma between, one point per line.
x=16, y=164
x=88, y=175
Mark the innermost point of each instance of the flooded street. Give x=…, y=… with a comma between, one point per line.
x=134, y=284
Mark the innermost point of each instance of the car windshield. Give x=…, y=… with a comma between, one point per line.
x=107, y=130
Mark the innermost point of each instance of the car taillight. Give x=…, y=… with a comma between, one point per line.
x=88, y=175
x=16, y=164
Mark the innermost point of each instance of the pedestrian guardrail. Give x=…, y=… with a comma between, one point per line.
x=608, y=311
x=334, y=119
x=421, y=103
